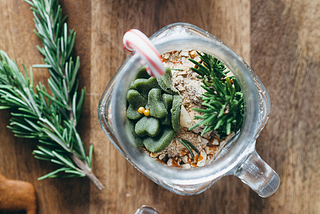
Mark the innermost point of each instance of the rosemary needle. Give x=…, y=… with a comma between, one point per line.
x=189, y=147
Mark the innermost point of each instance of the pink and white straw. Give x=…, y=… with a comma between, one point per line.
x=135, y=41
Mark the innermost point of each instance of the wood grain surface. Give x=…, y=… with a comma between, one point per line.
x=279, y=39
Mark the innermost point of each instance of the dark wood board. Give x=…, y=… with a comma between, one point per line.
x=278, y=39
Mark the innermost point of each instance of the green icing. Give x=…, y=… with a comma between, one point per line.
x=145, y=85
x=130, y=128
x=155, y=104
x=159, y=143
x=142, y=74
x=167, y=101
x=165, y=82
x=175, y=112
x=135, y=100
x=147, y=126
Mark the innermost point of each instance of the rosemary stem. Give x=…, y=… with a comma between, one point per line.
x=87, y=171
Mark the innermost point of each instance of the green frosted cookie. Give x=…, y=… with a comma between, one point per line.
x=155, y=104
x=147, y=126
x=175, y=112
x=130, y=128
x=166, y=84
x=142, y=74
x=159, y=143
x=145, y=85
x=135, y=100
x=167, y=101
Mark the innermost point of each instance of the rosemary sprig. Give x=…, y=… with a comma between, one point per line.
x=223, y=100
x=51, y=119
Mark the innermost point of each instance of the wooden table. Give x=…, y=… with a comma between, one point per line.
x=279, y=39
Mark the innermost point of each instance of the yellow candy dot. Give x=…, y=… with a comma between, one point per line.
x=141, y=110
x=146, y=112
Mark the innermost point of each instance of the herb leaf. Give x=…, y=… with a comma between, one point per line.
x=189, y=147
x=223, y=100
x=51, y=119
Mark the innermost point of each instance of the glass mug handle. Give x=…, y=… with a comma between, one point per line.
x=144, y=209
x=258, y=175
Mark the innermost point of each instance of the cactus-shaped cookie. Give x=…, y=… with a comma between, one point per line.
x=142, y=74
x=167, y=101
x=143, y=86
x=130, y=128
x=165, y=82
x=147, y=126
x=135, y=100
x=155, y=104
x=175, y=112
x=159, y=143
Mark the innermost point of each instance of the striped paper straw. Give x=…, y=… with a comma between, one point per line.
x=136, y=41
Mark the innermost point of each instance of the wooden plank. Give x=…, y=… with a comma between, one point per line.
x=285, y=54
x=17, y=162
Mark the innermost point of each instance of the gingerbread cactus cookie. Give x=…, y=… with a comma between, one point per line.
x=17, y=195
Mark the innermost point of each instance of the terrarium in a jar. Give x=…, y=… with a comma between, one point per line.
x=195, y=123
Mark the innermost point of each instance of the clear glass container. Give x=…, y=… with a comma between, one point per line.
x=238, y=157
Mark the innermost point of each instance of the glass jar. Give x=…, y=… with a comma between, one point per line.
x=238, y=157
